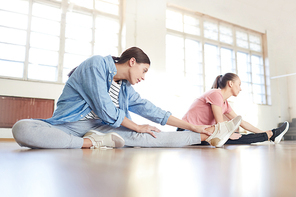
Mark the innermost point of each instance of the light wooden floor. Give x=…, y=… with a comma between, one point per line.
x=235, y=170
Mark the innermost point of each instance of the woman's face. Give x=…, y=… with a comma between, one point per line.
x=236, y=87
x=137, y=72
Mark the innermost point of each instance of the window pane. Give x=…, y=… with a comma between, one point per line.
x=191, y=25
x=193, y=57
x=79, y=33
x=72, y=60
x=107, y=7
x=40, y=72
x=255, y=47
x=45, y=26
x=255, y=39
x=106, y=36
x=13, y=20
x=212, y=65
x=241, y=35
x=76, y=47
x=79, y=19
x=12, y=52
x=226, y=39
x=11, y=69
x=211, y=30
x=227, y=61
x=43, y=41
x=15, y=6
x=225, y=30
x=46, y=11
x=244, y=67
x=175, y=54
x=84, y=3
x=39, y=56
x=174, y=20
x=104, y=51
x=243, y=44
x=13, y=36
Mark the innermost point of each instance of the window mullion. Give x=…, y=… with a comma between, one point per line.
x=26, y=63
x=62, y=40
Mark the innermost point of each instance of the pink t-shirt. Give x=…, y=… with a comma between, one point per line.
x=200, y=112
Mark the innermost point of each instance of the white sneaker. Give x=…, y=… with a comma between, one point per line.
x=100, y=140
x=223, y=131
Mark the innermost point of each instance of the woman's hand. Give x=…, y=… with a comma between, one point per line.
x=235, y=136
x=147, y=129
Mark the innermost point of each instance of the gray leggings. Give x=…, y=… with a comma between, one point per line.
x=39, y=134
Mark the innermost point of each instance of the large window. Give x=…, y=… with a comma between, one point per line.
x=44, y=39
x=199, y=47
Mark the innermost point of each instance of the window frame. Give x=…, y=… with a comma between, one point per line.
x=65, y=7
x=202, y=17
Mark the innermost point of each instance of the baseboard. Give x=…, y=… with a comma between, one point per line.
x=5, y=133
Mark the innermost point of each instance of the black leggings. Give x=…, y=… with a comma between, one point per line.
x=245, y=138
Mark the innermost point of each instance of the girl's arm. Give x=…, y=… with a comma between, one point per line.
x=244, y=124
x=217, y=111
x=176, y=122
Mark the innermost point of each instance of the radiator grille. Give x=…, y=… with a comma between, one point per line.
x=13, y=109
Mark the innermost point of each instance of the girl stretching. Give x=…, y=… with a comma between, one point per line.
x=212, y=107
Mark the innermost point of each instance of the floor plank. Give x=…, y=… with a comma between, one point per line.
x=234, y=170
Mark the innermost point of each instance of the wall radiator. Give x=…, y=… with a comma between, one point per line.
x=13, y=109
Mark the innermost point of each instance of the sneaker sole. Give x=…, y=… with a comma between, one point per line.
x=279, y=138
x=117, y=139
x=219, y=142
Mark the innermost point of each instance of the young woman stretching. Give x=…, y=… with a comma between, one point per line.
x=93, y=111
x=212, y=107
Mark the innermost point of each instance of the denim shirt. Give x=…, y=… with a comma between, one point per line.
x=87, y=90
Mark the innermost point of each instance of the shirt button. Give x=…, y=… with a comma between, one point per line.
x=81, y=115
x=109, y=80
x=110, y=71
x=114, y=73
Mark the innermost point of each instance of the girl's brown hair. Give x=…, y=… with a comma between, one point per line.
x=221, y=80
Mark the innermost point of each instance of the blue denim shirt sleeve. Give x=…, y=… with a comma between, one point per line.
x=146, y=109
x=94, y=82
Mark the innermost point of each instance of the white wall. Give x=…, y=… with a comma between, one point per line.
x=145, y=28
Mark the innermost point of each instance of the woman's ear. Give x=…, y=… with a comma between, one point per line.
x=132, y=61
x=230, y=83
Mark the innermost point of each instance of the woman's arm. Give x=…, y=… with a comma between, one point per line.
x=139, y=128
x=244, y=124
x=173, y=121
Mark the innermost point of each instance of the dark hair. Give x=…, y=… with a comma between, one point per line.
x=221, y=80
x=133, y=52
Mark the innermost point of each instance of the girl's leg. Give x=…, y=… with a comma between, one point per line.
x=163, y=139
x=249, y=138
x=39, y=134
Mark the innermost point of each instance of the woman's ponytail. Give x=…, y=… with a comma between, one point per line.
x=116, y=59
x=221, y=80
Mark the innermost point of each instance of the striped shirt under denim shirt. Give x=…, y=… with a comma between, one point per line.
x=113, y=92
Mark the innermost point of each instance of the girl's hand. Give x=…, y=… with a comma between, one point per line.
x=204, y=129
x=147, y=129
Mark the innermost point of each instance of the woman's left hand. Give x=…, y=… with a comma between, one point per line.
x=147, y=129
x=235, y=136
